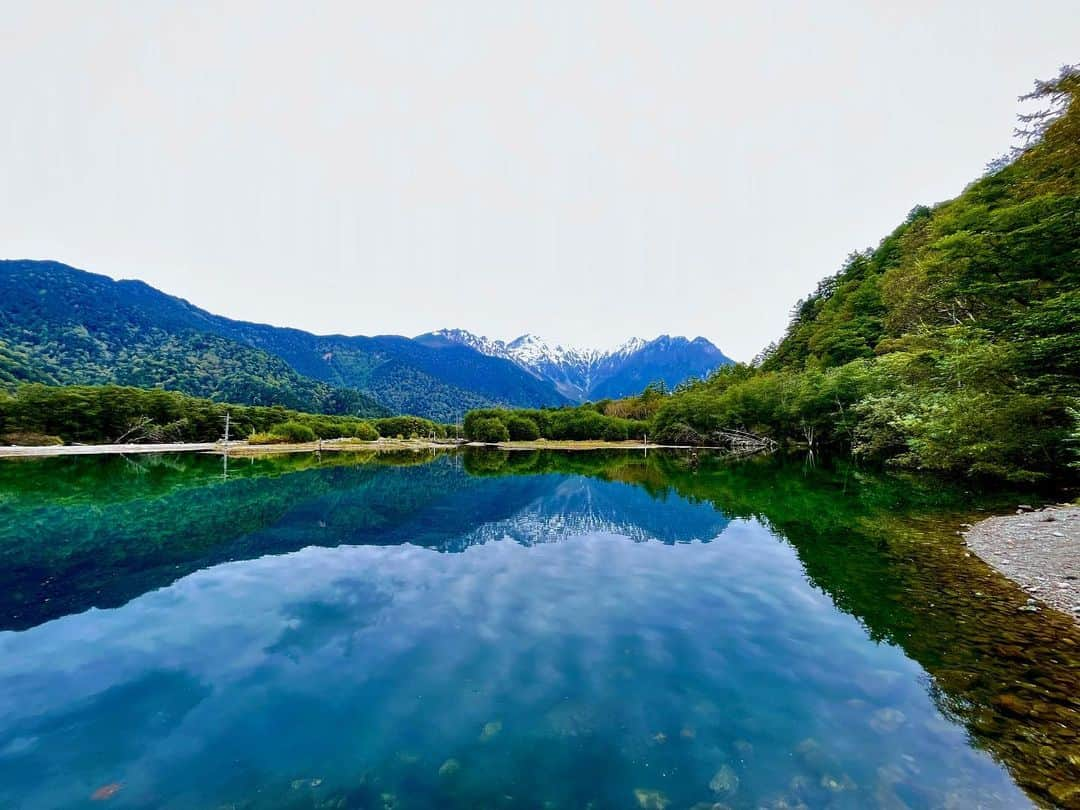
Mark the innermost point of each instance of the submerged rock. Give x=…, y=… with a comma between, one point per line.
x=651, y=799
x=808, y=747
x=449, y=768
x=836, y=785
x=106, y=792
x=785, y=803
x=1011, y=704
x=724, y=780
x=490, y=729
x=1065, y=793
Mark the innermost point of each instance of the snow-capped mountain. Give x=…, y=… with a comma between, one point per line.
x=582, y=374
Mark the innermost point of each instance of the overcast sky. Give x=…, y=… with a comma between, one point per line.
x=585, y=171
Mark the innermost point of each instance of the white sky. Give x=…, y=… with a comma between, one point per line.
x=584, y=171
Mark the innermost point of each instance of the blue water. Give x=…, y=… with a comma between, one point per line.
x=570, y=642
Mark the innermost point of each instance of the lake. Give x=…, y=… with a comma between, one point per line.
x=516, y=630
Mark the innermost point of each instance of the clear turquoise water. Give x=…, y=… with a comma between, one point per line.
x=445, y=634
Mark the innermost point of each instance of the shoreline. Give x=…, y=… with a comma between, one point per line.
x=220, y=448
x=327, y=445
x=1037, y=549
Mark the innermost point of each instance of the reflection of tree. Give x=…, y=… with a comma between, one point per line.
x=116, y=529
x=85, y=531
x=885, y=550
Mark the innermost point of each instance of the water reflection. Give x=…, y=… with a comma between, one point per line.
x=611, y=630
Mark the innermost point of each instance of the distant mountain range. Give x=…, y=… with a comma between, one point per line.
x=591, y=374
x=61, y=325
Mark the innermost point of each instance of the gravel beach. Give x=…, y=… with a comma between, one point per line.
x=1038, y=549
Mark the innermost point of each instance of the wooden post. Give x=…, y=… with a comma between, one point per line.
x=225, y=457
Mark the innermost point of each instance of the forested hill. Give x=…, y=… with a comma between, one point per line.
x=62, y=326
x=954, y=345
x=66, y=326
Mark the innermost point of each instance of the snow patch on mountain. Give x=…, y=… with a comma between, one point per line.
x=576, y=373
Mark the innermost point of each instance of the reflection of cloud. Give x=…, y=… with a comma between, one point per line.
x=329, y=662
x=309, y=625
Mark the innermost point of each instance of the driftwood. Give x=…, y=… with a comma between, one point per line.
x=144, y=429
x=741, y=441
x=733, y=440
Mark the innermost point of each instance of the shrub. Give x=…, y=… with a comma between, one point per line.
x=293, y=432
x=364, y=431
x=522, y=429
x=265, y=438
x=489, y=429
x=616, y=430
x=407, y=426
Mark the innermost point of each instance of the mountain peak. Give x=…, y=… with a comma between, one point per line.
x=580, y=374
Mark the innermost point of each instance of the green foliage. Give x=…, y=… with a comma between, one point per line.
x=63, y=326
x=954, y=346
x=61, y=340
x=522, y=428
x=363, y=431
x=266, y=437
x=103, y=414
x=585, y=422
x=644, y=406
x=488, y=429
x=293, y=431
x=409, y=427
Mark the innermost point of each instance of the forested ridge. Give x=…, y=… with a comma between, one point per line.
x=64, y=326
x=953, y=346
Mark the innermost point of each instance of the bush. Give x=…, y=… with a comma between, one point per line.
x=522, y=429
x=489, y=429
x=265, y=438
x=293, y=432
x=616, y=430
x=583, y=422
x=408, y=426
x=364, y=431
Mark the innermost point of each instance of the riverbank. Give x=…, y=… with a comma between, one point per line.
x=1037, y=549
x=330, y=445
x=233, y=448
x=104, y=449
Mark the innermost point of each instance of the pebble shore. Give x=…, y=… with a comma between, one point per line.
x=1039, y=549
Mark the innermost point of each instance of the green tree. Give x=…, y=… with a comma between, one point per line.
x=489, y=429
x=522, y=428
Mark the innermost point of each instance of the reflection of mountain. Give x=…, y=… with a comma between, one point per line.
x=63, y=558
x=581, y=506
x=64, y=554
x=77, y=533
